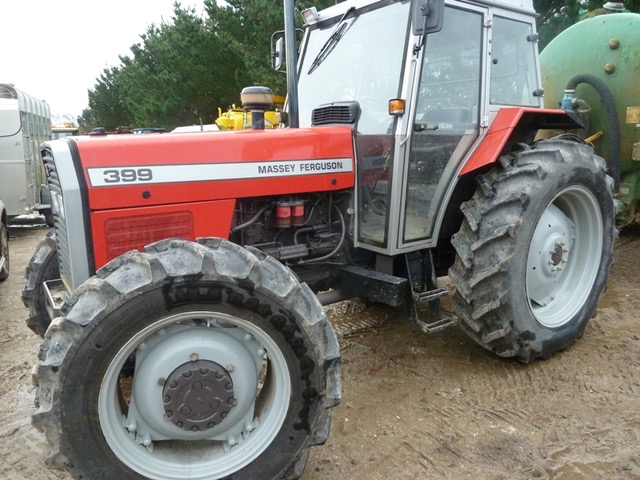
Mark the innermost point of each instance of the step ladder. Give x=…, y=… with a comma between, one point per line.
x=424, y=291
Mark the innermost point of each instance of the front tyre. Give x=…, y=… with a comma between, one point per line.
x=534, y=249
x=188, y=361
x=42, y=267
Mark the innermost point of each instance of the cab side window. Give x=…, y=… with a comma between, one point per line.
x=513, y=69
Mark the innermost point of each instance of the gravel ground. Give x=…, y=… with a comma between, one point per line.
x=418, y=406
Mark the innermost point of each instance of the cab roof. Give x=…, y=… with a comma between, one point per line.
x=340, y=8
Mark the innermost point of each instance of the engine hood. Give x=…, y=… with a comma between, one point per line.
x=123, y=171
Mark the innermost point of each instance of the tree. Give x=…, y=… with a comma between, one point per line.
x=247, y=26
x=558, y=15
x=184, y=70
x=107, y=103
x=181, y=73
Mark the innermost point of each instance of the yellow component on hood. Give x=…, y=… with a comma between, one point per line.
x=237, y=119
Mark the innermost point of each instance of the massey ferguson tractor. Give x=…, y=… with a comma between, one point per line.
x=181, y=294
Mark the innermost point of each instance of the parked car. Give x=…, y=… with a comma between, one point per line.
x=148, y=130
x=212, y=127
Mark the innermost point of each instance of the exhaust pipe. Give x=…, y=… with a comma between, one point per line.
x=292, y=62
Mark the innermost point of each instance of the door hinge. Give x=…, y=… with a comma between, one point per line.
x=484, y=121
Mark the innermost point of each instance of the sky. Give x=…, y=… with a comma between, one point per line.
x=56, y=50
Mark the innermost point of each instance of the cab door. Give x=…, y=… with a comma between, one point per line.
x=446, y=119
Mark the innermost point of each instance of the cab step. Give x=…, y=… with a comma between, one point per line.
x=430, y=296
x=438, y=325
x=424, y=291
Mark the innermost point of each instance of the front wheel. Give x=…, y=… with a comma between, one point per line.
x=188, y=362
x=534, y=249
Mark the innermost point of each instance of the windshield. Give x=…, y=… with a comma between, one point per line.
x=363, y=63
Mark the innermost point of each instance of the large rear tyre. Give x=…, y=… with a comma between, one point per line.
x=188, y=361
x=534, y=249
x=42, y=267
x=4, y=252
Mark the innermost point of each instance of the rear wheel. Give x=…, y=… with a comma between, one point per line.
x=42, y=267
x=534, y=249
x=4, y=252
x=188, y=362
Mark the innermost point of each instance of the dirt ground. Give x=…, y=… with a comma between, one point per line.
x=418, y=406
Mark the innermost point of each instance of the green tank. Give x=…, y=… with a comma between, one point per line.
x=594, y=55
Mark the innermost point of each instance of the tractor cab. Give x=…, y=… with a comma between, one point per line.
x=423, y=99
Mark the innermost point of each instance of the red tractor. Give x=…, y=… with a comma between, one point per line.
x=188, y=272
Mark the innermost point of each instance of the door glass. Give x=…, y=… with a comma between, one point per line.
x=513, y=68
x=447, y=114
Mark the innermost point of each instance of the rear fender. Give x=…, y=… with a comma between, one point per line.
x=516, y=125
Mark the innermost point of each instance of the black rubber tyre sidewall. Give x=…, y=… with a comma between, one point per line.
x=33, y=295
x=80, y=425
x=4, y=245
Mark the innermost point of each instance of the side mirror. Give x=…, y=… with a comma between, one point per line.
x=277, y=50
x=428, y=16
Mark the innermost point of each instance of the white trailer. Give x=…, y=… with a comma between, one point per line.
x=25, y=122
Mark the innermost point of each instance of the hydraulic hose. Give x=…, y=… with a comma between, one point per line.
x=251, y=221
x=612, y=119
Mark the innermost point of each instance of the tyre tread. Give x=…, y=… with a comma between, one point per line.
x=486, y=242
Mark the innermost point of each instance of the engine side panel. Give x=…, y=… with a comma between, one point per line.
x=120, y=230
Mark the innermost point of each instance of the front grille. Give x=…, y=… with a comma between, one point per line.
x=62, y=243
x=50, y=168
x=342, y=112
x=134, y=232
x=60, y=227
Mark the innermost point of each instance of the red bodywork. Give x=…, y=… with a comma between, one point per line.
x=142, y=188
x=508, y=121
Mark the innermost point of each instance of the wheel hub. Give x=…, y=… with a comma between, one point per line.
x=198, y=395
x=556, y=255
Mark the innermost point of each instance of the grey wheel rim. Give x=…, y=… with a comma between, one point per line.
x=143, y=437
x=564, y=256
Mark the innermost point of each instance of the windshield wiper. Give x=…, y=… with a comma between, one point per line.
x=333, y=40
